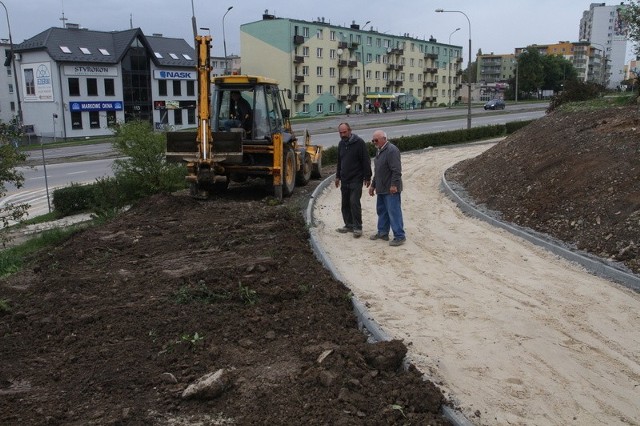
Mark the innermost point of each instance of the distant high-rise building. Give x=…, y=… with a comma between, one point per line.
x=603, y=27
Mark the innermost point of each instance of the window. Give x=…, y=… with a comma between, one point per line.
x=111, y=118
x=332, y=107
x=162, y=87
x=10, y=88
x=305, y=32
x=332, y=53
x=191, y=91
x=369, y=40
x=177, y=117
x=76, y=120
x=319, y=108
x=319, y=89
x=104, y=52
x=13, y=106
x=92, y=87
x=191, y=116
x=332, y=72
x=377, y=75
x=305, y=108
x=85, y=51
x=319, y=52
x=319, y=34
x=94, y=119
x=369, y=57
x=65, y=49
x=305, y=51
x=319, y=71
x=177, y=88
x=332, y=90
x=109, y=87
x=158, y=55
x=305, y=89
x=187, y=57
x=173, y=56
x=305, y=70
x=74, y=87
x=410, y=76
x=332, y=35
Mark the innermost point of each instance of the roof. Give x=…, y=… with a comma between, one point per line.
x=82, y=45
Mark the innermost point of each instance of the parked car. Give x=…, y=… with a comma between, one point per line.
x=494, y=104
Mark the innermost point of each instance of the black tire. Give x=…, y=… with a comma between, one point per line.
x=288, y=172
x=316, y=169
x=304, y=174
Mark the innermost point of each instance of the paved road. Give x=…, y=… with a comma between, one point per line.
x=324, y=133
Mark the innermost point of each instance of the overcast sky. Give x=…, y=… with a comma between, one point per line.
x=497, y=26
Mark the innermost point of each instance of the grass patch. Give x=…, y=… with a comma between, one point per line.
x=12, y=259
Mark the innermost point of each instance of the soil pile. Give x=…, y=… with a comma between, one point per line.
x=572, y=175
x=115, y=324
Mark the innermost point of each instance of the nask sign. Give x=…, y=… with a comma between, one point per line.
x=174, y=75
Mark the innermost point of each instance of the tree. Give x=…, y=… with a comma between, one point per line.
x=10, y=158
x=557, y=71
x=630, y=15
x=530, y=71
x=143, y=167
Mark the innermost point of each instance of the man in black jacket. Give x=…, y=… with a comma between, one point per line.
x=352, y=173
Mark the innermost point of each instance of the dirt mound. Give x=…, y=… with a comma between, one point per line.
x=114, y=325
x=573, y=176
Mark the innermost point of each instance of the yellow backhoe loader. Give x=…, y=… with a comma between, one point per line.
x=243, y=131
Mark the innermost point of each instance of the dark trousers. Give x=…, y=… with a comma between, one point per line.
x=351, y=208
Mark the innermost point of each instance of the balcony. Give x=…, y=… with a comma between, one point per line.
x=353, y=45
x=298, y=39
x=459, y=60
x=353, y=64
x=398, y=82
x=431, y=84
x=430, y=70
x=391, y=67
x=342, y=62
x=298, y=79
x=397, y=51
x=431, y=56
x=342, y=45
x=352, y=81
x=343, y=98
x=342, y=81
x=298, y=97
x=298, y=59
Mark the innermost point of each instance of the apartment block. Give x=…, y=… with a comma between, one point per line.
x=328, y=66
x=603, y=27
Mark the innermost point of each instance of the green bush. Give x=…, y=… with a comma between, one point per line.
x=73, y=199
x=417, y=142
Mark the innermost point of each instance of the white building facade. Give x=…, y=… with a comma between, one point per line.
x=603, y=27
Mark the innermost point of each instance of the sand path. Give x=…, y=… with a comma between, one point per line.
x=514, y=334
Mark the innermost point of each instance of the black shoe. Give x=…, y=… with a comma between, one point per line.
x=344, y=230
x=379, y=237
x=397, y=242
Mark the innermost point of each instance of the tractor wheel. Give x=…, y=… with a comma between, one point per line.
x=304, y=174
x=288, y=172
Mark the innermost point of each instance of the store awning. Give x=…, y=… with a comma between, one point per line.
x=380, y=95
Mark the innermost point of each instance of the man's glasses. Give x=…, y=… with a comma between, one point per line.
x=375, y=140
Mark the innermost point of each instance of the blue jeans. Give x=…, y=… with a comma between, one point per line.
x=389, y=209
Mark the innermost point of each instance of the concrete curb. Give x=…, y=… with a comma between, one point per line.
x=365, y=321
x=593, y=264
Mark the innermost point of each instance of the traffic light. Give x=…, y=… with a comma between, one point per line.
x=7, y=58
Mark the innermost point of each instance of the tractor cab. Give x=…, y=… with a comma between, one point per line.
x=255, y=109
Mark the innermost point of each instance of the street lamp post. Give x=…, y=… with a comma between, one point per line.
x=224, y=41
x=468, y=65
x=449, y=64
x=364, y=76
x=13, y=63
